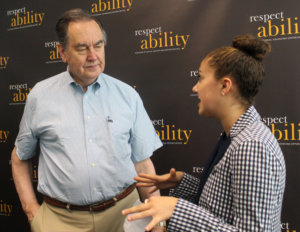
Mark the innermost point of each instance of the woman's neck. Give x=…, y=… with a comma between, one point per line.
x=231, y=115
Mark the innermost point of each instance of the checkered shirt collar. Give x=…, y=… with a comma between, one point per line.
x=248, y=118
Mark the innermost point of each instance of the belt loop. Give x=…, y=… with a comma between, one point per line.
x=68, y=207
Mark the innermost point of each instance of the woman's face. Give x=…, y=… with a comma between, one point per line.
x=209, y=90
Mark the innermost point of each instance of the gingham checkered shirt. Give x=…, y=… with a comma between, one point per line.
x=245, y=189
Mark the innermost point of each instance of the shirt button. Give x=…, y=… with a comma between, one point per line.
x=88, y=117
x=90, y=140
x=86, y=97
x=93, y=165
x=95, y=190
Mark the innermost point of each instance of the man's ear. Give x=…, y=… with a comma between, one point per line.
x=62, y=52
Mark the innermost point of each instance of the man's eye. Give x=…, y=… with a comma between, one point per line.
x=81, y=49
x=99, y=45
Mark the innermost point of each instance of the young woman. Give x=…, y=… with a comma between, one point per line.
x=242, y=185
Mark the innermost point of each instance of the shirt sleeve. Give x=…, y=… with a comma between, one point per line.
x=26, y=141
x=187, y=188
x=255, y=190
x=144, y=137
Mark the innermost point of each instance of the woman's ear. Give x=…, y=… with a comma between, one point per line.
x=226, y=83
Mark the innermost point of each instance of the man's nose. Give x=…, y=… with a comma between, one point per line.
x=92, y=54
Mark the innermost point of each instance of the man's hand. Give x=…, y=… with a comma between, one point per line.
x=31, y=211
x=21, y=170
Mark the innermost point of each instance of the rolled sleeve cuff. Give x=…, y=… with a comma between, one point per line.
x=191, y=217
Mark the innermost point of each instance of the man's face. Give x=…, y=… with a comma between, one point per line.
x=84, y=51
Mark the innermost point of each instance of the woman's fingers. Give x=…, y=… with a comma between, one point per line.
x=140, y=184
x=173, y=172
x=153, y=223
x=144, y=180
x=148, y=177
x=135, y=209
x=160, y=208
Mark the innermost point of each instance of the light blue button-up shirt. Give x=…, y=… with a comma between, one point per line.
x=89, y=141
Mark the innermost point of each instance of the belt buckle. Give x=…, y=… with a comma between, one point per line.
x=68, y=207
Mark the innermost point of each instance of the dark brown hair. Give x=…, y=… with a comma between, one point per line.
x=243, y=62
x=74, y=15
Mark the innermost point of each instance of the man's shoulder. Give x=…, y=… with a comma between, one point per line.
x=118, y=85
x=114, y=81
x=50, y=81
x=45, y=88
x=48, y=84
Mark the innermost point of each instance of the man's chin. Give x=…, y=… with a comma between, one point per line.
x=93, y=75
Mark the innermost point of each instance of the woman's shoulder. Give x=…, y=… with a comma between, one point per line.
x=256, y=138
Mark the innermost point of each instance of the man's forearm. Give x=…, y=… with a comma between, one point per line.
x=146, y=166
x=22, y=178
x=144, y=193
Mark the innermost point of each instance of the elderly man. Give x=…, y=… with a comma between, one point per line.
x=94, y=136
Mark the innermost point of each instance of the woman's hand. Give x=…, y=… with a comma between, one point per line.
x=169, y=180
x=160, y=208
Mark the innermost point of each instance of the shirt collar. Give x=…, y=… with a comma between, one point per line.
x=95, y=86
x=248, y=118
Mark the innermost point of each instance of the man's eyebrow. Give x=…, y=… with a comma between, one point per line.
x=99, y=42
x=81, y=45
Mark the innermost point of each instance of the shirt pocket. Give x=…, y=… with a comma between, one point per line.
x=119, y=127
x=120, y=130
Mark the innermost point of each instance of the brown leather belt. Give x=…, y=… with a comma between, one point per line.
x=94, y=207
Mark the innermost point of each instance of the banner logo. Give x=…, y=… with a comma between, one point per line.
x=54, y=55
x=194, y=75
x=156, y=40
x=170, y=134
x=197, y=170
x=19, y=94
x=5, y=208
x=110, y=6
x=22, y=18
x=285, y=227
x=34, y=171
x=3, y=61
x=276, y=26
x=3, y=136
x=287, y=133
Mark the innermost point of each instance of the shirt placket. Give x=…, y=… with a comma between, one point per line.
x=90, y=138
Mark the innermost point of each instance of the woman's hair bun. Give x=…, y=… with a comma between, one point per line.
x=257, y=48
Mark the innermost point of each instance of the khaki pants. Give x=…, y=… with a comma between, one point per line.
x=53, y=219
